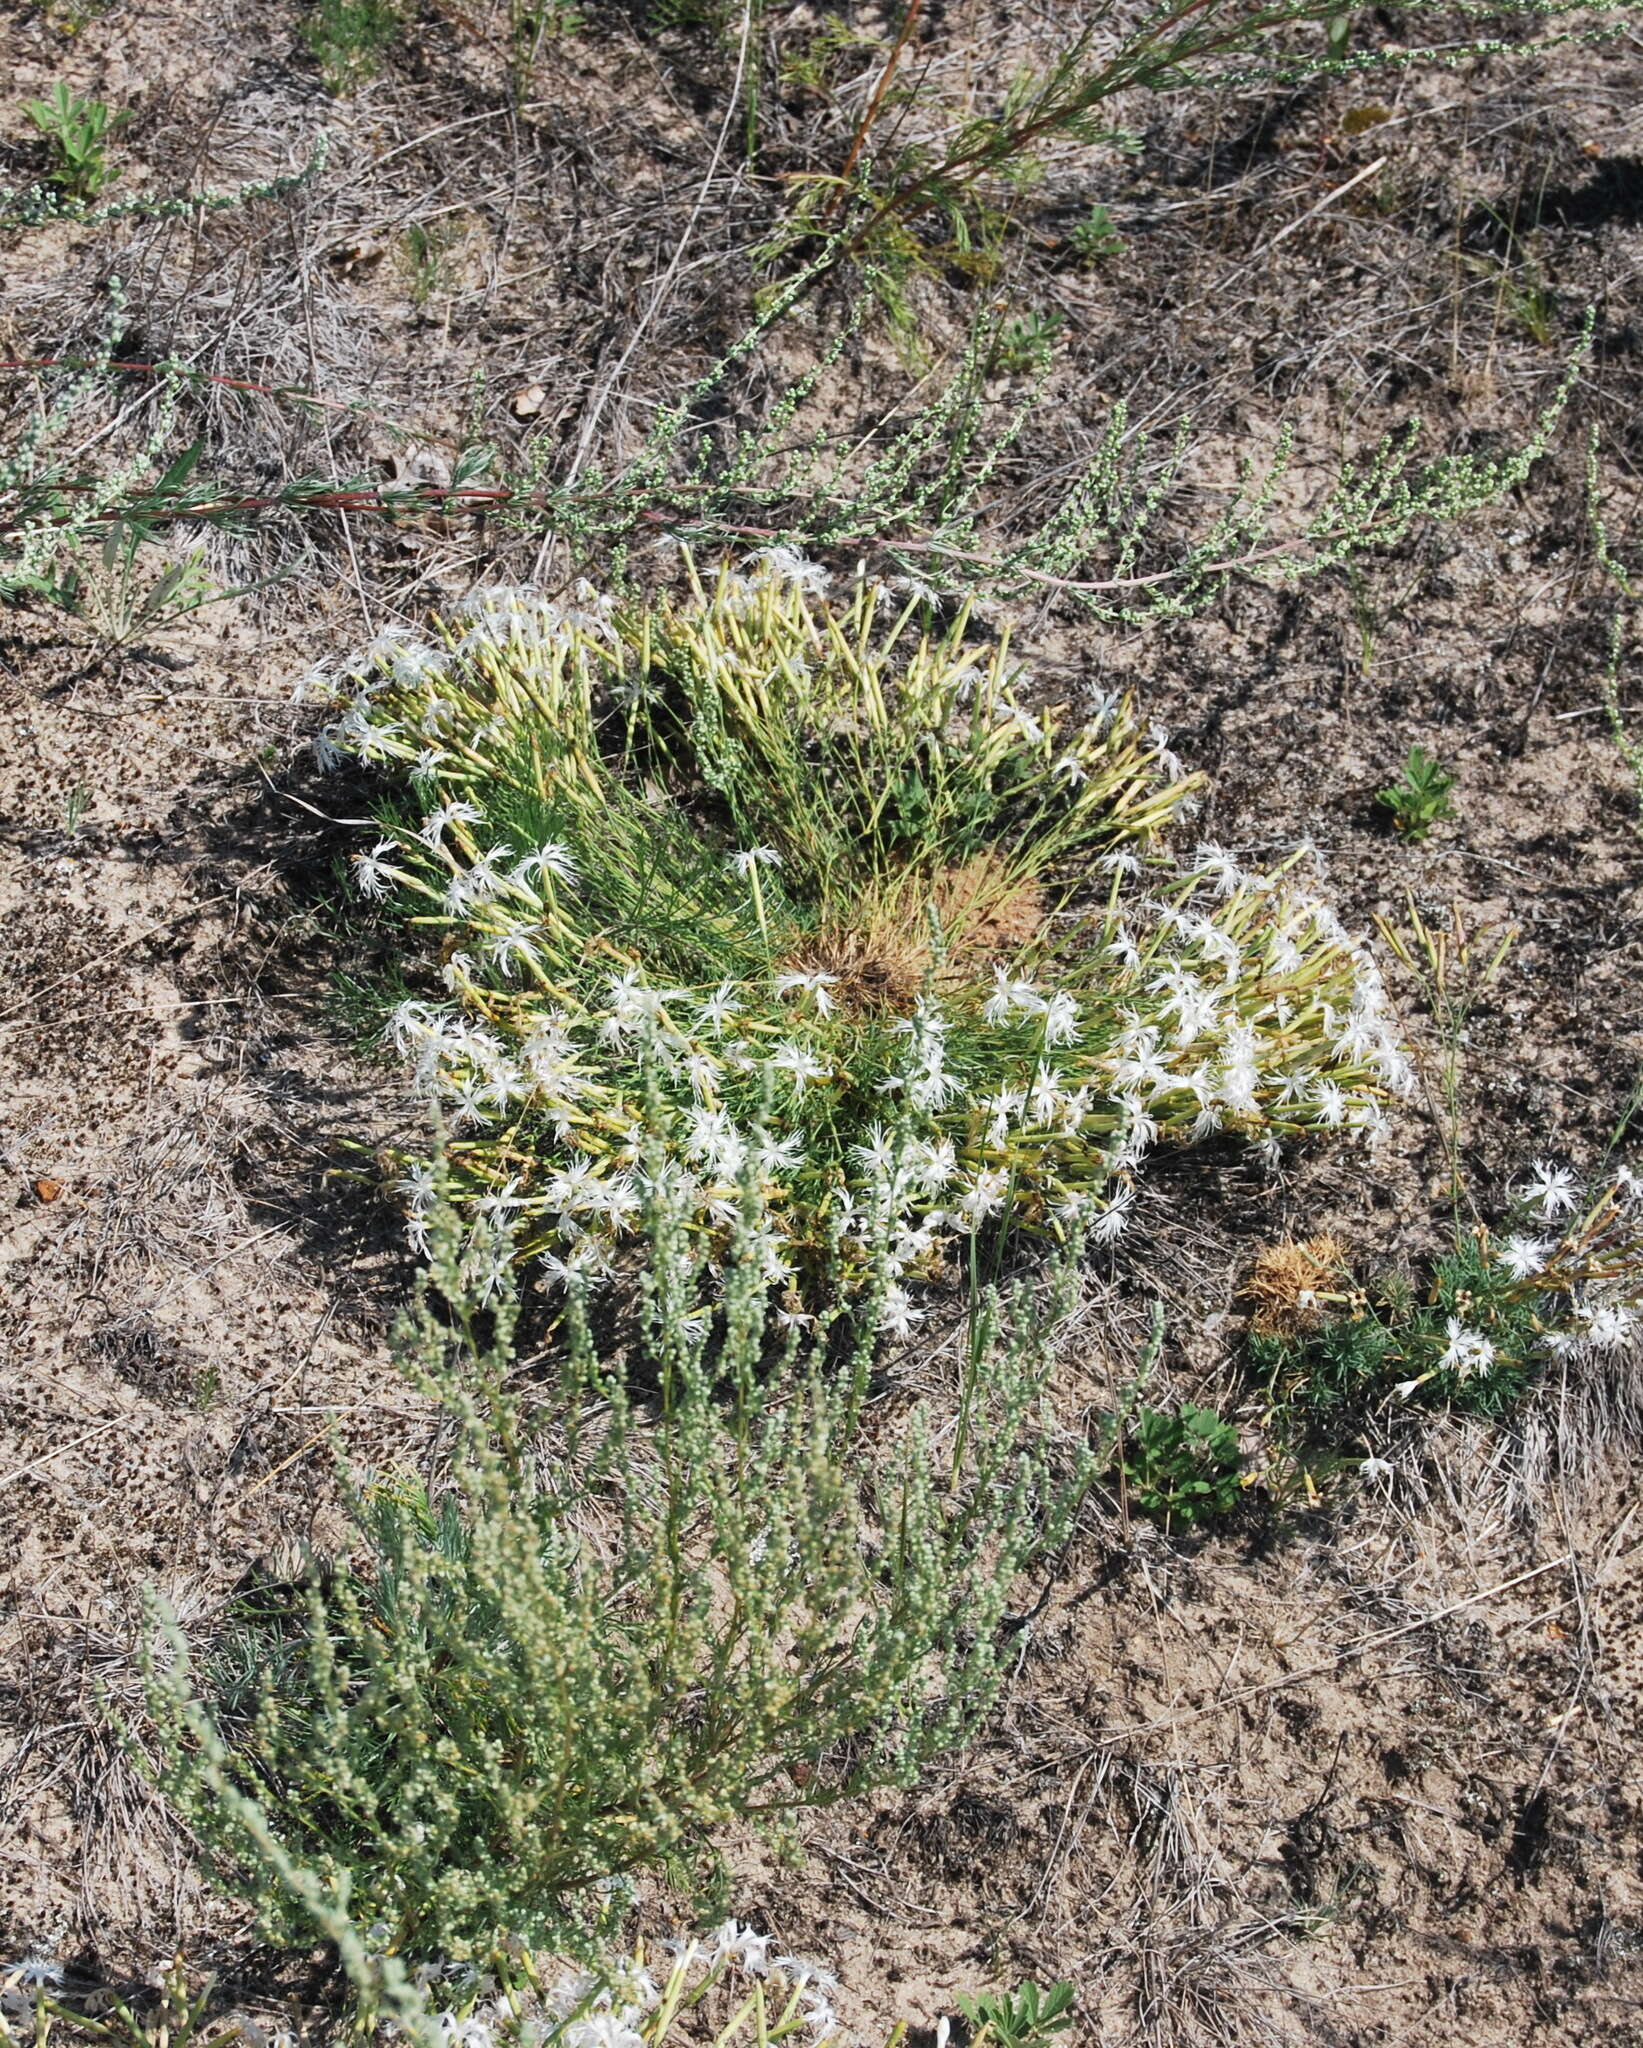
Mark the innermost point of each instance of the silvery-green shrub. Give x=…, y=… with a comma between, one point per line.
x=710, y=1576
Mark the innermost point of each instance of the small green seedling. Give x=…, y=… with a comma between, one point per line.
x=1027, y=342
x=349, y=38
x=77, y=130
x=1095, y=236
x=1027, y=2018
x=1420, y=796
x=426, y=252
x=1183, y=1466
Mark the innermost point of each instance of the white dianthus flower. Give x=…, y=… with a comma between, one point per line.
x=801, y=1063
x=1331, y=1101
x=897, y=1316
x=1021, y=721
x=1010, y=993
x=1111, y=1220
x=511, y=949
x=751, y=857
x=937, y=1163
x=457, y=811
x=984, y=1196
x=812, y=983
x=1219, y=866
x=878, y=1154
x=602, y=2030
x=1609, y=1324
x=743, y=1946
x=1553, y=1190
x=787, y=565
x=36, y=1972
x=1044, y=1098
x=717, y=1008
x=1468, y=1353
x=551, y=858
x=1523, y=1256
x=1061, y=1025
x=372, y=875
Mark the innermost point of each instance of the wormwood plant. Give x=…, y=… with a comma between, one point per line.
x=629, y=1619
x=31, y=206
x=817, y=863
x=915, y=495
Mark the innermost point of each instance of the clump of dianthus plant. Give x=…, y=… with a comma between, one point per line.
x=814, y=865
x=1561, y=1278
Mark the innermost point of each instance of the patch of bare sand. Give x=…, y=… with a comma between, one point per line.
x=187, y=1290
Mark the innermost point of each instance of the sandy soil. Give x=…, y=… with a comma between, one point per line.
x=1361, y=1773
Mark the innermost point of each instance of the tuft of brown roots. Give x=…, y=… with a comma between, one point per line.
x=1287, y=1283
x=932, y=934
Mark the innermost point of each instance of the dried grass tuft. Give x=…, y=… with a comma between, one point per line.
x=1286, y=1284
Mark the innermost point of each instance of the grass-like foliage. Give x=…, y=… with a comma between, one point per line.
x=1562, y=1278
x=815, y=867
x=629, y=1618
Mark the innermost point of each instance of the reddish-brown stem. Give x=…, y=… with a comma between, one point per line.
x=482, y=497
x=864, y=125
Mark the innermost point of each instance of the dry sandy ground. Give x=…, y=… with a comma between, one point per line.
x=1364, y=1773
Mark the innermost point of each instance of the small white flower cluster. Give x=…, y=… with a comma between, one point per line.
x=623, y=2005
x=1468, y=1352
x=1035, y=1095
x=1598, y=1256
x=1575, y=1254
